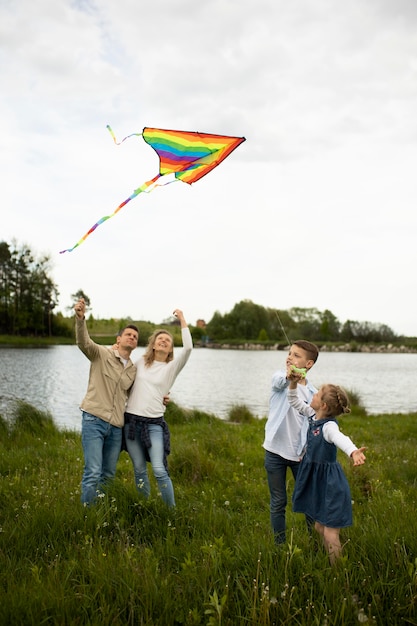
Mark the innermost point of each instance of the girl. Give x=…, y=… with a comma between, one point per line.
x=321, y=489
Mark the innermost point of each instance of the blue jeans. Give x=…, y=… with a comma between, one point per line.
x=276, y=469
x=101, y=445
x=156, y=454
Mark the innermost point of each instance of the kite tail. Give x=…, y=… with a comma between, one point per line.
x=124, y=139
x=144, y=188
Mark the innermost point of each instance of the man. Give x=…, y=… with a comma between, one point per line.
x=286, y=432
x=112, y=374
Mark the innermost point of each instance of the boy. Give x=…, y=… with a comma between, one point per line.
x=286, y=432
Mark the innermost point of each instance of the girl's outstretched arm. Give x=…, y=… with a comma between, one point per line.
x=358, y=456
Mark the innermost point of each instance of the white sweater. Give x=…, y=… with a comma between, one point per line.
x=154, y=382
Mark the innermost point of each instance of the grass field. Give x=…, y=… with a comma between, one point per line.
x=212, y=560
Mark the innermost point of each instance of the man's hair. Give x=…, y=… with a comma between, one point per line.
x=311, y=348
x=122, y=330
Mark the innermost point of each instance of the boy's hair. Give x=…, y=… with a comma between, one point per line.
x=311, y=348
x=336, y=399
x=122, y=330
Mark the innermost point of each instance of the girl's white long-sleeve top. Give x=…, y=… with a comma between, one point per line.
x=154, y=382
x=331, y=432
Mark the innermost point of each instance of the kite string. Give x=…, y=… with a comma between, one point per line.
x=282, y=328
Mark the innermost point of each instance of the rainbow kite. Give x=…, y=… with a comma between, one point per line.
x=188, y=156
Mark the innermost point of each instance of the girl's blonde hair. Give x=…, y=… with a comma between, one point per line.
x=149, y=355
x=336, y=399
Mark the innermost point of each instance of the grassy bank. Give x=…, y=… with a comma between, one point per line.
x=101, y=331
x=13, y=341
x=212, y=561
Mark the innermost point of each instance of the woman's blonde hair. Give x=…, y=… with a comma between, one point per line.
x=336, y=399
x=149, y=355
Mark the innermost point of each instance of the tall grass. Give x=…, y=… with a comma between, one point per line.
x=212, y=560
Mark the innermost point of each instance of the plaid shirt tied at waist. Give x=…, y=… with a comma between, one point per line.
x=145, y=438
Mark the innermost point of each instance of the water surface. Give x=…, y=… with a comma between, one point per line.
x=55, y=379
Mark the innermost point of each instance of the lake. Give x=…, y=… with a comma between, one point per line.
x=55, y=379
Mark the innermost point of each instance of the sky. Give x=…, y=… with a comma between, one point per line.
x=316, y=209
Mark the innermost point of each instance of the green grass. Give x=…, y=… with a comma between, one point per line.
x=211, y=561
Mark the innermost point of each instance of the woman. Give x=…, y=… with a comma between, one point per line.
x=146, y=431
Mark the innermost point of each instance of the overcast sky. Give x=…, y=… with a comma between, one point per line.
x=316, y=209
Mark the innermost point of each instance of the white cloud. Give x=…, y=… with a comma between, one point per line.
x=315, y=209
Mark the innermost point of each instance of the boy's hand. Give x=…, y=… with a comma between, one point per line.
x=302, y=371
x=295, y=373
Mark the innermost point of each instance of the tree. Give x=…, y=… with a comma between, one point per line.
x=247, y=319
x=27, y=293
x=216, y=329
x=367, y=332
x=77, y=296
x=329, y=326
x=307, y=321
x=281, y=326
x=5, y=291
x=263, y=335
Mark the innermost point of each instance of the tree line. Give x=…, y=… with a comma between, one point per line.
x=28, y=297
x=252, y=322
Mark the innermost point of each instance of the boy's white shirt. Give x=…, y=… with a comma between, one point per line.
x=280, y=412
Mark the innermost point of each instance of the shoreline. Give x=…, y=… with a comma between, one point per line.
x=389, y=348
x=363, y=348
